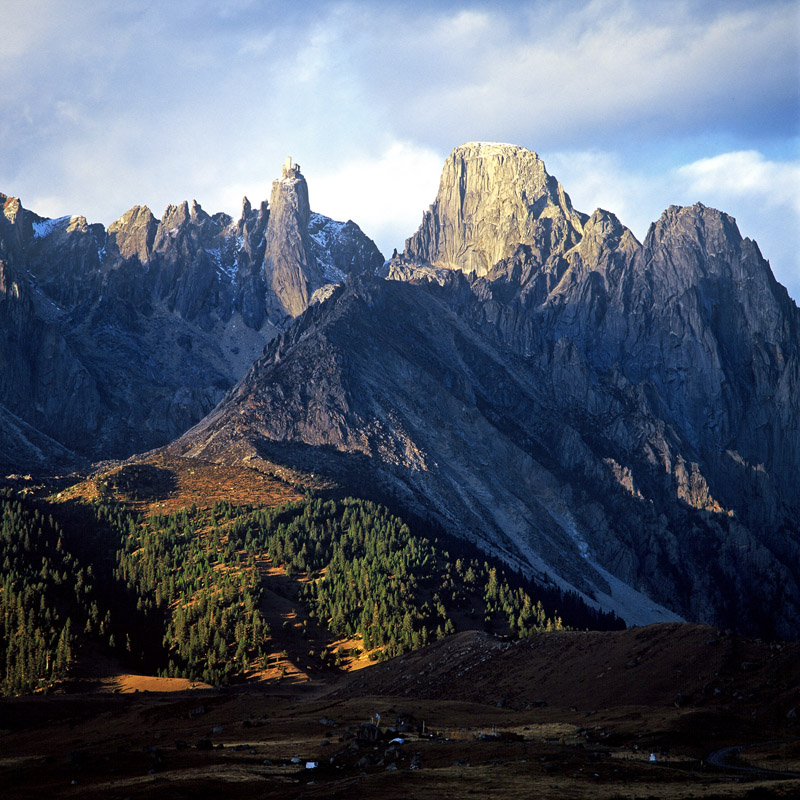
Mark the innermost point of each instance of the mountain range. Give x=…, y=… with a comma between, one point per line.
x=619, y=418
x=116, y=341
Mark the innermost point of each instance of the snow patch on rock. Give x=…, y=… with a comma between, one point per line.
x=46, y=226
x=324, y=233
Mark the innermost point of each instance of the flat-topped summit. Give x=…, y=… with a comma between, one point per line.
x=493, y=197
x=480, y=149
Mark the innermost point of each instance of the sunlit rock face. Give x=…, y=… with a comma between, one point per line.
x=621, y=417
x=291, y=271
x=133, y=234
x=307, y=254
x=491, y=199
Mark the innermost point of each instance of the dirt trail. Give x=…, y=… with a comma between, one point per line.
x=719, y=758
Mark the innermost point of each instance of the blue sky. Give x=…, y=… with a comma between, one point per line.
x=632, y=105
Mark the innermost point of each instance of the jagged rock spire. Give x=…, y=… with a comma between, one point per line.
x=291, y=271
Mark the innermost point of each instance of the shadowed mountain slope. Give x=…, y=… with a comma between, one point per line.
x=621, y=417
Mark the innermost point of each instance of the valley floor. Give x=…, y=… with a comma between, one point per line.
x=477, y=718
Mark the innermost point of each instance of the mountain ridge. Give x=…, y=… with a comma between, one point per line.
x=620, y=417
x=116, y=341
x=581, y=405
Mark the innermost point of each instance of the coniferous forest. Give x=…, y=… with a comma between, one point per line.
x=181, y=594
x=42, y=587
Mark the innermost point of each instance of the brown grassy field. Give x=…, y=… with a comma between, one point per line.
x=563, y=715
x=175, y=483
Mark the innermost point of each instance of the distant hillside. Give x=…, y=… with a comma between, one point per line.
x=223, y=592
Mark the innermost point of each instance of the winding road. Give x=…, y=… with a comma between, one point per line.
x=718, y=759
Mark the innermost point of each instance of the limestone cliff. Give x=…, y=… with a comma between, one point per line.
x=291, y=271
x=133, y=234
x=491, y=199
x=14, y=227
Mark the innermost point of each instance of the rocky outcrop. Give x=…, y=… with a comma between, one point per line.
x=291, y=271
x=491, y=199
x=15, y=227
x=64, y=257
x=246, y=241
x=133, y=235
x=341, y=249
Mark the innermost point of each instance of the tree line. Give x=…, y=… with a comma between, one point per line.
x=367, y=576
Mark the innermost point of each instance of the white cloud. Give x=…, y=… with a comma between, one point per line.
x=599, y=179
x=763, y=196
x=552, y=75
x=746, y=174
x=385, y=194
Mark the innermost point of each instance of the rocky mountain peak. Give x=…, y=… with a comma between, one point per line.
x=710, y=235
x=172, y=220
x=188, y=227
x=290, y=268
x=196, y=212
x=492, y=198
x=133, y=234
x=175, y=216
x=605, y=250
x=12, y=226
x=11, y=207
x=697, y=247
x=290, y=171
